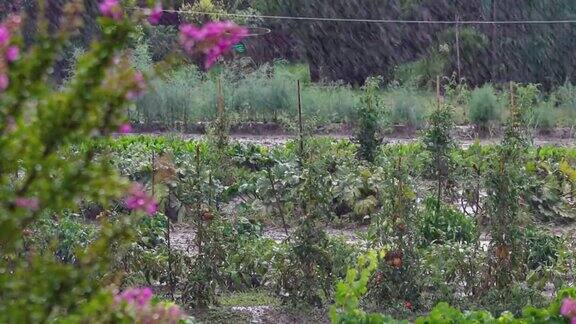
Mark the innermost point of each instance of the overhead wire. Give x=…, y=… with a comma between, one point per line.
x=379, y=21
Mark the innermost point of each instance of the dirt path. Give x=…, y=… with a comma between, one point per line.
x=276, y=140
x=182, y=235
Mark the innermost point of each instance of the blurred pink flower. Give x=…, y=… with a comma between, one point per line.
x=111, y=9
x=155, y=14
x=31, y=204
x=174, y=312
x=138, y=200
x=140, y=86
x=143, y=310
x=568, y=308
x=125, y=128
x=12, y=53
x=213, y=39
x=4, y=82
x=4, y=35
x=135, y=296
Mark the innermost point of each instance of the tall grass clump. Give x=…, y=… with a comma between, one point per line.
x=545, y=116
x=564, y=101
x=485, y=109
x=260, y=95
x=182, y=95
x=408, y=106
x=330, y=103
x=267, y=94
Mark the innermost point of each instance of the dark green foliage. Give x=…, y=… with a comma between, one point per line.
x=541, y=248
x=498, y=53
x=506, y=182
x=445, y=224
x=394, y=229
x=307, y=273
x=369, y=115
x=438, y=142
x=484, y=107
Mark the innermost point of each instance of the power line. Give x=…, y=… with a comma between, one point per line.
x=382, y=21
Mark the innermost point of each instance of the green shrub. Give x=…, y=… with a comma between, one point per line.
x=542, y=249
x=447, y=225
x=368, y=126
x=545, y=116
x=408, y=106
x=564, y=100
x=484, y=107
x=351, y=290
x=330, y=103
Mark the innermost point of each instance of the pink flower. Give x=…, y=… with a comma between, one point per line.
x=111, y=9
x=4, y=82
x=4, y=35
x=138, y=200
x=31, y=204
x=213, y=39
x=139, y=86
x=139, y=297
x=12, y=53
x=155, y=14
x=174, y=312
x=568, y=308
x=141, y=308
x=125, y=128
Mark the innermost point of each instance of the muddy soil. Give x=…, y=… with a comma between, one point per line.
x=277, y=140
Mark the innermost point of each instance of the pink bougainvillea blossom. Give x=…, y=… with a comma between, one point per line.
x=155, y=14
x=31, y=204
x=138, y=200
x=111, y=9
x=135, y=296
x=12, y=53
x=568, y=309
x=139, y=86
x=139, y=303
x=4, y=35
x=174, y=312
x=4, y=82
x=125, y=128
x=213, y=39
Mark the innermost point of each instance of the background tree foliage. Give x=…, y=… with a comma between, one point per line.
x=353, y=51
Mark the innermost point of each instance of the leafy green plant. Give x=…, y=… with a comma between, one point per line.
x=505, y=183
x=445, y=224
x=349, y=291
x=438, y=142
x=394, y=228
x=408, y=106
x=484, y=107
x=369, y=114
x=42, y=172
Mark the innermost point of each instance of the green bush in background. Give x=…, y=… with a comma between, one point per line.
x=484, y=107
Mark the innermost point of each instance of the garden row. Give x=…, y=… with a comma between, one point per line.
x=436, y=232
x=185, y=97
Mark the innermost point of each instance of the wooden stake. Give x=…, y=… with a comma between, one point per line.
x=301, y=130
x=278, y=204
x=438, y=99
x=221, y=123
x=458, y=64
x=153, y=169
x=512, y=103
x=219, y=99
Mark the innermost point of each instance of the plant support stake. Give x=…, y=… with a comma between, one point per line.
x=300, y=128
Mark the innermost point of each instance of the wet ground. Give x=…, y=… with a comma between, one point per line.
x=276, y=140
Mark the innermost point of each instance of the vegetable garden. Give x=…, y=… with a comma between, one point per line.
x=100, y=225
